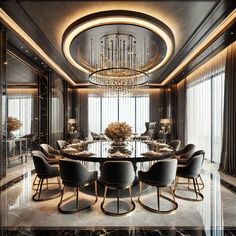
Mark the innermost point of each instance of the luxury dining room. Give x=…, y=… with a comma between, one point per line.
x=118, y=117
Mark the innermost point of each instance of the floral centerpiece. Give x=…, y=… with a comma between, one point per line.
x=13, y=124
x=118, y=131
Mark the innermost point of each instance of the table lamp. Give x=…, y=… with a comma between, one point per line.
x=165, y=124
x=71, y=123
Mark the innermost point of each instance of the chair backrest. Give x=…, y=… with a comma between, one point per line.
x=194, y=166
x=187, y=151
x=199, y=152
x=175, y=144
x=48, y=150
x=163, y=172
x=40, y=163
x=62, y=143
x=118, y=173
x=74, y=173
x=39, y=153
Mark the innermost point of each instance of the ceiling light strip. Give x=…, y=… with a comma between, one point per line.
x=9, y=22
x=212, y=37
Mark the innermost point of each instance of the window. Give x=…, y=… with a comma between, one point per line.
x=104, y=110
x=21, y=108
x=205, y=114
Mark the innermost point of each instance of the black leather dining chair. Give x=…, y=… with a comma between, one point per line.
x=50, y=161
x=49, y=151
x=201, y=183
x=184, y=155
x=161, y=174
x=175, y=144
x=75, y=175
x=191, y=171
x=44, y=171
x=117, y=175
x=62, y=144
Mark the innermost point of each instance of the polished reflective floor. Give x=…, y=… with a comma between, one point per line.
x=216, y=212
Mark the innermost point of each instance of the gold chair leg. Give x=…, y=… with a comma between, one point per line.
x=172, y=193
x=199, y=196
x=105, y=194
x=195, y=189
x=40, y=189
x=140, y=188
x=118, y=204
x=76, y=195
x=36, y=176
x=130, y=193
x=157, y=210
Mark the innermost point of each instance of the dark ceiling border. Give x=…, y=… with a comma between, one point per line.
x=17, y=12
x=216, y=16
x=220, y=44
x=200, y=34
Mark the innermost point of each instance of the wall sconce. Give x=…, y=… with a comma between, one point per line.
x=71, y=123
x=166, y=124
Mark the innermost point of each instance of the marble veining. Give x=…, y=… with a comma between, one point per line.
x=217, y=213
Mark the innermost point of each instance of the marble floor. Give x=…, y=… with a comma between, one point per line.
x=216, y=212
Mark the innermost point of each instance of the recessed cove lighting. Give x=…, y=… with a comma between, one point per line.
x=117, y=19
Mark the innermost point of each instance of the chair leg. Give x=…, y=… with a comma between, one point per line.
x=130, y=194
x=62, y=194
x=76, y=195
x=202, y=183
x=118, y=201
x=158, y=198
x=118, y=204
x=104, y=197
x=34, y=182
x=77, y=198
x=159, y=195
x=172, y=193
x=140, y=188
x=197, y=185
x=38, y=185
x=59, y=182
x=40, y=190
x=195, y=189
x=96, y=189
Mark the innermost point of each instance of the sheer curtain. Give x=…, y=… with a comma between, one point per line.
x=109, y=112
x=204, y=107
x=103, y=110
x=20, y=107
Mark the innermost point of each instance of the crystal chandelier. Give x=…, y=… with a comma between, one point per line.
x=119, y=68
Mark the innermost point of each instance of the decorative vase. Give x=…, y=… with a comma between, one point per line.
x=118, y=142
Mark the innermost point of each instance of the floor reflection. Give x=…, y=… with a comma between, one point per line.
x=216, y=211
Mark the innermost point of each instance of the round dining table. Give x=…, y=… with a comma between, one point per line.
x=101, y=151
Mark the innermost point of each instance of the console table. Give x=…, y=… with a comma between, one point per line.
x=16, y=150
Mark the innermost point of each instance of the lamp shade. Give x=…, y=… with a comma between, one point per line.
x=166, y=121
x=71, y=121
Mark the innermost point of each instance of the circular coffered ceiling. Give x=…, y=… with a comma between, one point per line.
x=158, y=38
